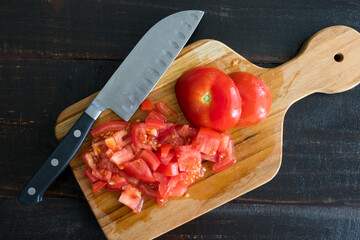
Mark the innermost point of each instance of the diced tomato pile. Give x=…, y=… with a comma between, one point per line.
x=155, y=158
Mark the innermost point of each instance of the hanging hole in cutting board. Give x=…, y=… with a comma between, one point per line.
x=339, y=57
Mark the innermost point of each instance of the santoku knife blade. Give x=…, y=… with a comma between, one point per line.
x=123, y=93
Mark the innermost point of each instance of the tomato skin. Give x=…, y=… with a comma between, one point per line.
x=98, y=186
x=209, y=98
x=166, y=111
x=151, y=159
x=225, y=159
x=108, y=127
x=147, y=105
x=256, y=98
x=89, y=176
x=155, y=115
x=89, y=160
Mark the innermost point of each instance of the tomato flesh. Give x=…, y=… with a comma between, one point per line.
x=102, y=174
x=156, y=116
x=139, y=169
x=110, y=143
x=121, y=138
x=256, y=98
x=140, y=138
x=122, y=156
x=171, y=169
x=131, y=197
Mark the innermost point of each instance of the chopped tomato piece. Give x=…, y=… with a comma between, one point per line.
x=155, y=115
x=224, y=144
x=172, y=138
x=102, y=174
x=108, y=127
x=194, y=169
x=167, y=159
x=98, y=186
x=160, y=178
x=89, y=160
x=151, y=159
x=139, y=136
x=186, y=132
x=178, y=190
x=207, y=141
x=99, y=148
x=121, y=138
x=168, y=128
x=164, y=191
x=184, y=154
x=147, y=105
x=154, y=123
x=211, y=158
x=110, y=143
x=171, y=169
x=139, y=169
x=178, y=185
x=105, y=163
x=131, y=180
x=225, y=159
x=117, y=181
x=122, y=156
x=89, y=176
x=149, y=190
x=135, y=150
x=109, y=153
x=165, y=110
x=165, y=148
x=131, y=197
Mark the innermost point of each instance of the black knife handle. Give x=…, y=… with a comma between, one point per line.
x=57, y=162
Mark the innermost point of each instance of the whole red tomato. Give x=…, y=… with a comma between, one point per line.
x=209, y=98
x=256, y=98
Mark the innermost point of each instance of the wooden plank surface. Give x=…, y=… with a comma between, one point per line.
x=50, y=60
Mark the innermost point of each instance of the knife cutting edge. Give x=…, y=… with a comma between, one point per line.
x=123, y=93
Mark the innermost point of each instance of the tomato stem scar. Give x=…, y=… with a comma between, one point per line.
x=206, y=98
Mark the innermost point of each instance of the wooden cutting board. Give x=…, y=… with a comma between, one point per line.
x=329, y=62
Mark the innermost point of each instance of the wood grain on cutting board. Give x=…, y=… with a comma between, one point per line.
x=329, y=62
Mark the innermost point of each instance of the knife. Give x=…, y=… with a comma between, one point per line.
x=123, y=93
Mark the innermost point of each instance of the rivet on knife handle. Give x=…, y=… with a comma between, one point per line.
x=58, y=160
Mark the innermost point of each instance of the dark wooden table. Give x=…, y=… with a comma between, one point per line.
x=53, y=53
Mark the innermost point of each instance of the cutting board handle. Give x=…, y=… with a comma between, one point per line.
x=330, y=63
